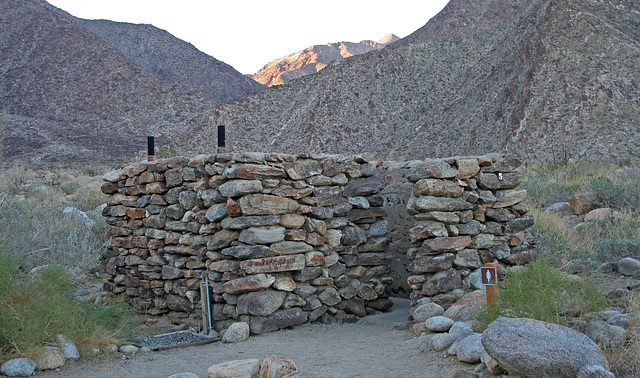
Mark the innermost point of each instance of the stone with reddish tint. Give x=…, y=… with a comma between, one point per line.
x=249, y=283
x=521, y=258
x=374, y=258
x=233, y=208
x=465, y=308
x=444, y=244
x=364, y=186
x=285, y=284
x=276, y=367
x=237, y=368
x=467, y=168
x=366, y=215
x=135, y=213
x=156, y=188
x=314, y=258
x=430, y=264
x=328, y=196
x=273, y=264
x=292, y=221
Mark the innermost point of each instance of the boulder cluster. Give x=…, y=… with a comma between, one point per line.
x=281, y=239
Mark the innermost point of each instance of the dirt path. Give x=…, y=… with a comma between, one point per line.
x=369, y=348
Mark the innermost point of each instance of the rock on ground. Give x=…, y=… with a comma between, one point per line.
x=534, y=348
x=68, y=347
x=277, y=367
x=238, y=368
x=18, y=367
x=426, y=311
x=236, y=332
x=438, y=323
x=49, y=357
x=470, y=349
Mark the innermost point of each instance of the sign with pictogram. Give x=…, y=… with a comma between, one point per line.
x=489, y=275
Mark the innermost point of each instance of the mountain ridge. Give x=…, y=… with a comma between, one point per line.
x=529, y=85
x=315, y=58
x=174, y=61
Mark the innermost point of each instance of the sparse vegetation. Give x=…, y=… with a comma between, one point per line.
x=540, y=291
x=593, y=242
x=37, y=306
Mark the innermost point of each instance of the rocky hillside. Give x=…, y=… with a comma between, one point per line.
x=541, y=78
x=67, y=93
x=173, y=60
x=313, y=59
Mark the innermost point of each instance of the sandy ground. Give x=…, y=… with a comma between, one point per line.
x=369, y=348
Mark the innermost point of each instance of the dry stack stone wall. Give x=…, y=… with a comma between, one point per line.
x=468, y=211
x=282, y=239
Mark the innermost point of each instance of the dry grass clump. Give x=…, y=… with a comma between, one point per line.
x=625, y=361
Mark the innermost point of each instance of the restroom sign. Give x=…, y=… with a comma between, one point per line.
x=489, y=275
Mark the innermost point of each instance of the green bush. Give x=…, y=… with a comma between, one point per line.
x=35, y=308
x=89, y=197
x=539, y=291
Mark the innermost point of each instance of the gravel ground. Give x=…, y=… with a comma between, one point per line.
x=369, y=348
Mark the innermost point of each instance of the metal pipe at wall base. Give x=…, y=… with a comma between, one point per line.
x=206, y=283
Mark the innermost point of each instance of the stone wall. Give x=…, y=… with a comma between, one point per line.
x=283, y=239
x=468, y=211
x=287, y=239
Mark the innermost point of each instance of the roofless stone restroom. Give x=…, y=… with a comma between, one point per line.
x=278, y=240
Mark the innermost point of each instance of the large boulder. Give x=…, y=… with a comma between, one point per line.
x=534, y=348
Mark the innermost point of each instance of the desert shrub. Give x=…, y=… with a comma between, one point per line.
x=618, y=192
x=69, y=187
x=41, y=234
x=89, y=197
x=36, y=307
x=539, y=291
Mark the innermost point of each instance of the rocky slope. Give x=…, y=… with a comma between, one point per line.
x=174, y=61
x=313, y=59
x=68, y=93
x=541, y=78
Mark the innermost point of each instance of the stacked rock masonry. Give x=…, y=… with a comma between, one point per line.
x=468, y=211
x=283, y=239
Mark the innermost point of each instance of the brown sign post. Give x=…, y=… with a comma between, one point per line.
x=489, y=274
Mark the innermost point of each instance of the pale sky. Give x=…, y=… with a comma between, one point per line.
x=247, y=34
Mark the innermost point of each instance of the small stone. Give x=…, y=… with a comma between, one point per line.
x=129, y=349
x=629, y=267
x=184, y=375
x=594, y=371
x=442, y=341
x=438, y=323
x=236, y=332
x=426, y=311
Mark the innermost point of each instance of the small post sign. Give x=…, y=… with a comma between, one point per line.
x=489, y=275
